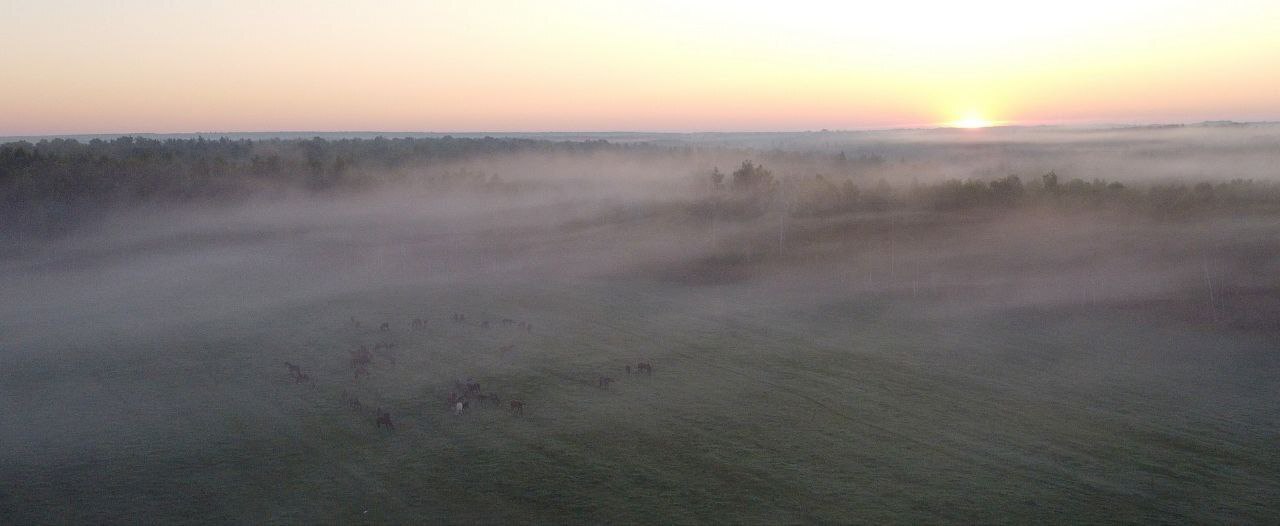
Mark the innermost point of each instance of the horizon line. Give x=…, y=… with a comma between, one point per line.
x=491, y=133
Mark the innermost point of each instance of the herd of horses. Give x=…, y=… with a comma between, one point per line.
x=459, y=400
x=641, y=368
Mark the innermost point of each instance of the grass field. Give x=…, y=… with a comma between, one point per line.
x=845, y=408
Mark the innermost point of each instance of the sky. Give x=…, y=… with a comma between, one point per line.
x=133, y=66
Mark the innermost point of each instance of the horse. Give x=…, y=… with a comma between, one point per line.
x=355, y=404
x=419, y=323
x=386, y=354
x=517, y=407
x=298, y=375
x=491, y=398
x=507, y=348
x=628, y=369
x=354, y=322
x=360, y=369
x=361, y=357
x=644, y=367
x=507, y=322
x=473, y=387
x=384, y=419
x=604, y=382
x=385, y=326
x=457, y=408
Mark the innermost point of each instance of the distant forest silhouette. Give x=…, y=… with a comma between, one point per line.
x=56, y=183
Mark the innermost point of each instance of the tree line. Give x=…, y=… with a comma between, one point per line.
x=47, y=182
x=751, y=189
x=59, y=181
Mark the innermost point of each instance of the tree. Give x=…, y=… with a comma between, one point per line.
x=1006, y=191
x=751, y=176
x=1050, y=181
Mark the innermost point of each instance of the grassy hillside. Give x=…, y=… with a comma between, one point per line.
x=867, y=408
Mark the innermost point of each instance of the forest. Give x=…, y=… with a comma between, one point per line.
x=54, y=184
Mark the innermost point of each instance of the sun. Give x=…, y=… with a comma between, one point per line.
x=971, y=122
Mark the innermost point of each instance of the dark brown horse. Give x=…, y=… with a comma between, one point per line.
x=385, y=326
x=361, y=358
x=384, y=419
x=604, y=382
x=361, y=371
x=298, y=376
x=517, y=407
x=644, y=367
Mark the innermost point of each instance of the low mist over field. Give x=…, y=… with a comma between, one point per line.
x=995, y=325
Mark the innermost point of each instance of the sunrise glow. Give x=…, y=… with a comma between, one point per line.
x=664, y=65
x=971, y=122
